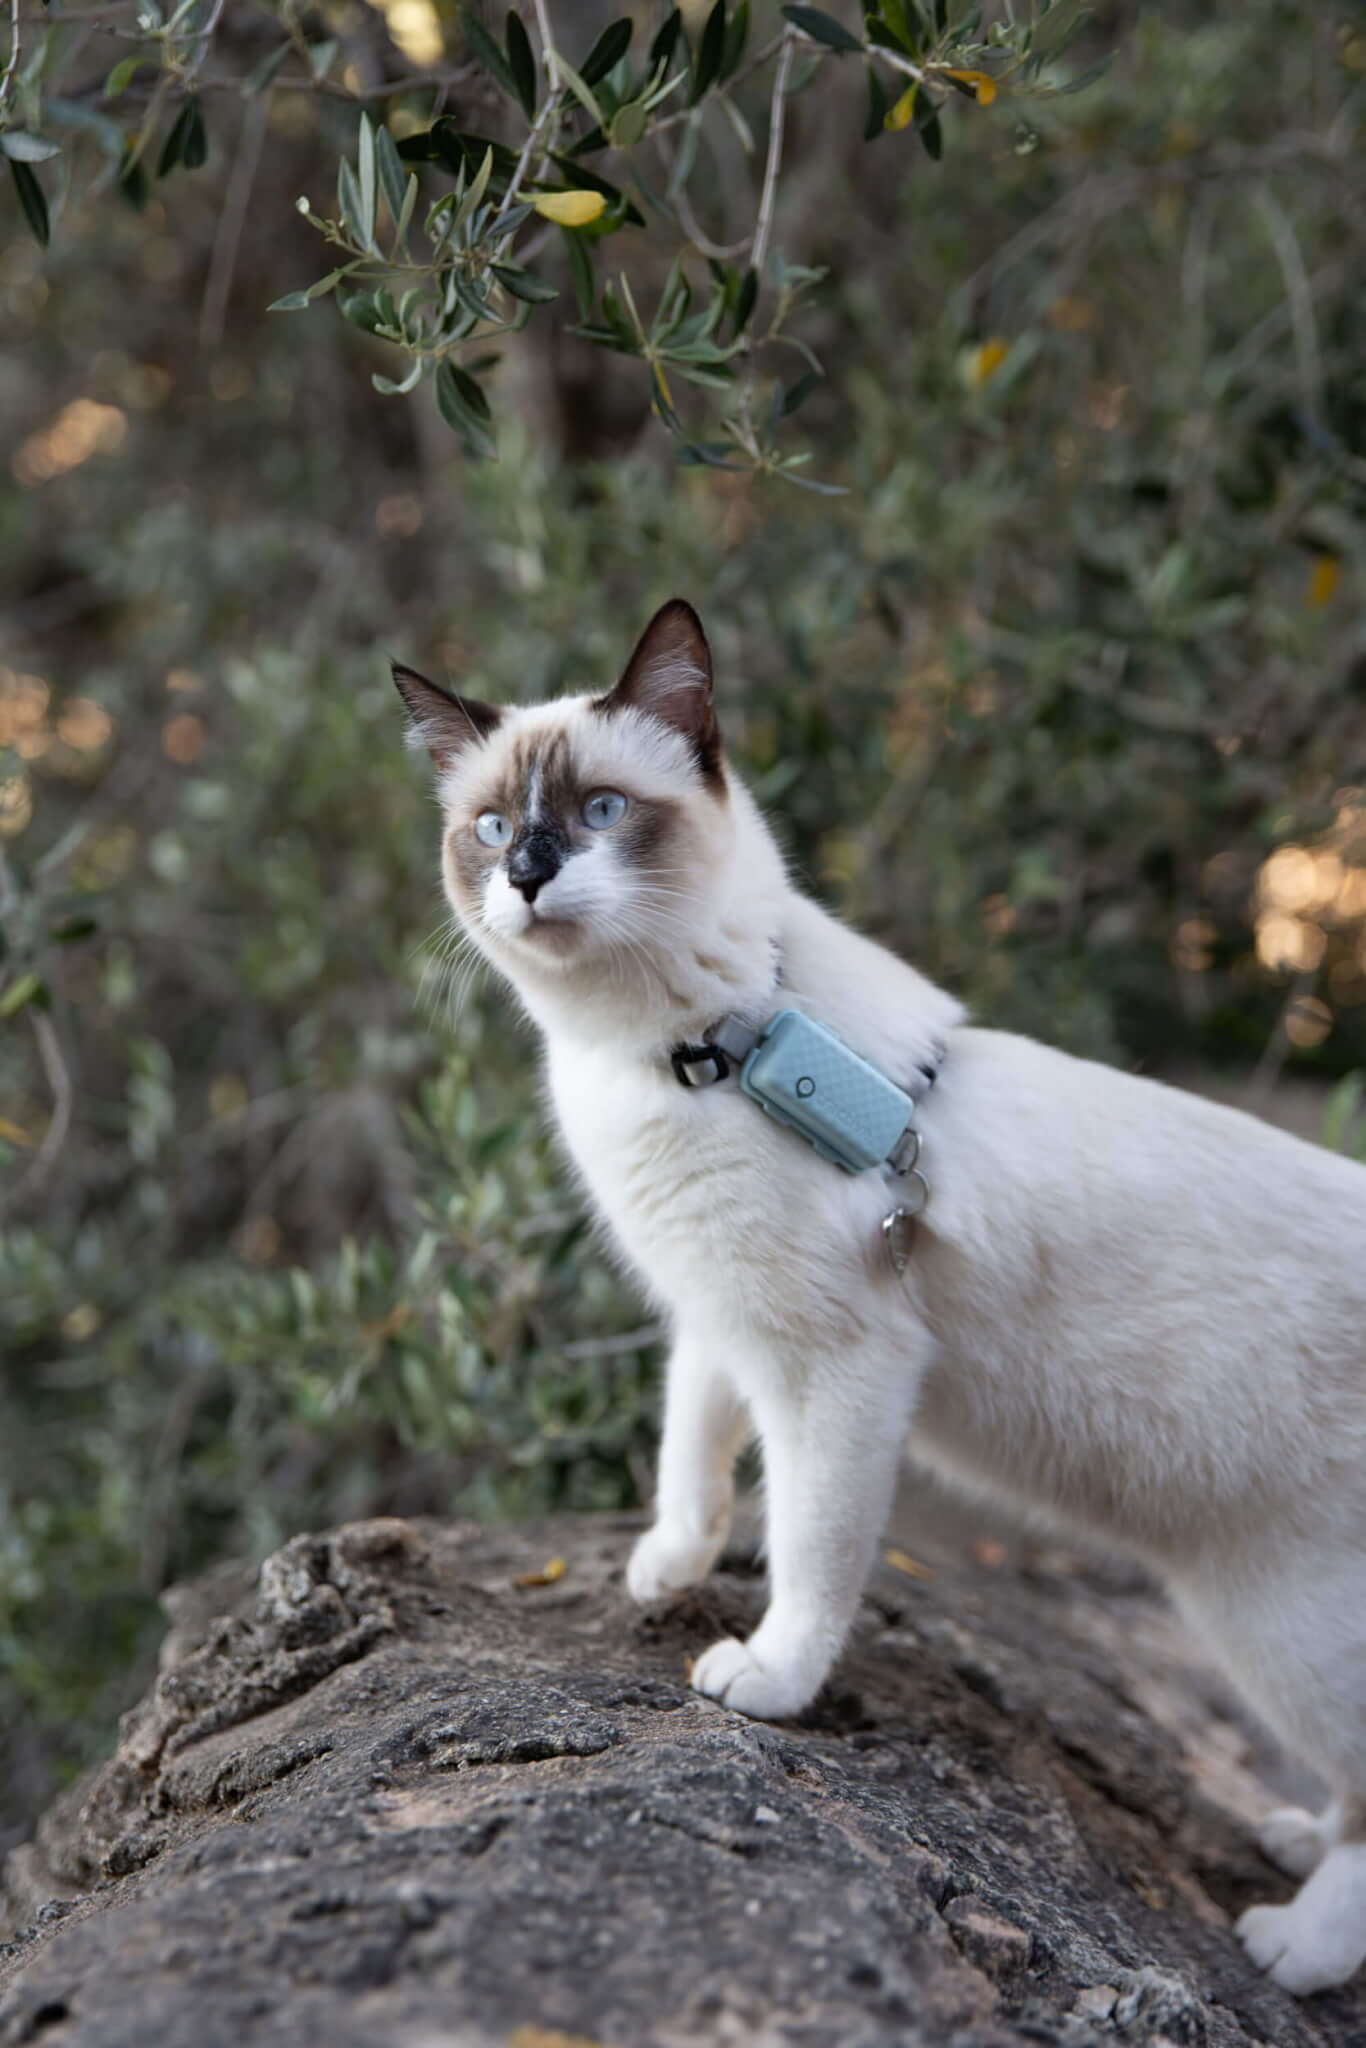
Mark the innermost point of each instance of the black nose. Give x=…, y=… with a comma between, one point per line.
x=536, y=856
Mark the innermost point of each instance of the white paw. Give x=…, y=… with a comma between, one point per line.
x=1293, y=1839
x=729, y=1672
x=1276, y=1944
x=665, y=1560
x=1319, y=1939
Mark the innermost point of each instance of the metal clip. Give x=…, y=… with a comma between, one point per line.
x=906, y=1152
x=699, y=1066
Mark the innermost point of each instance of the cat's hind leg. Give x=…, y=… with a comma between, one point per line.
x=705, y=1424
x=1299, y=1643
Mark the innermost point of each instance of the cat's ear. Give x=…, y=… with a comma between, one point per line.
x=669, y=678
x=442, y=723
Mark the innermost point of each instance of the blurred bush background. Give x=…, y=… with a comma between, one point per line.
x=1065, y=698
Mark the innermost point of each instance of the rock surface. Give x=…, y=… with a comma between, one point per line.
x=414, y=1789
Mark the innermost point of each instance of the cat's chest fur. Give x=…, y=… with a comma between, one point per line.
x=722, y=1212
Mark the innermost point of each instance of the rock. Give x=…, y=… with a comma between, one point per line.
x=995, y=1945
x=412, y=1788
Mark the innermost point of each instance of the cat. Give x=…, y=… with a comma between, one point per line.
x=1135, y=1310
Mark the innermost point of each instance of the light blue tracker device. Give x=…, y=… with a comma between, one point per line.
x=847, y=1109
x=804, y=1076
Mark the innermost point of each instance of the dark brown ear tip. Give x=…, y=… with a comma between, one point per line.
x=440, y=720
x=680, y=609
x=410, y=678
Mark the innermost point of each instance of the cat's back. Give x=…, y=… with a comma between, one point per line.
x=1136, y=1283
x=1121, y=1221
x=1080, y=1144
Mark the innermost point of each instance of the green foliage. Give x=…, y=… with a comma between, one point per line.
x=440, y=279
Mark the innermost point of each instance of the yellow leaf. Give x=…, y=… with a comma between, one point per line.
x=901, y=1562
x=13, y=1133
x=1324, y=572
x=899, y=116
x=981, y=363
x=982, y=85
x=555, y=1568
x=570, y=209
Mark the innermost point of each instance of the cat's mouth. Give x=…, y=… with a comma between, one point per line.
x=548, y=931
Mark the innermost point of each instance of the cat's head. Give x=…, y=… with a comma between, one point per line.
x=588, y=836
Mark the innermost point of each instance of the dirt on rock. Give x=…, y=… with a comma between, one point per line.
x=440, y=1786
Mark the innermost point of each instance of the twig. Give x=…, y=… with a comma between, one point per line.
x=1273, y=324
x=59, y=1123
x=11, y=67
x=764, y=225
x=720, y=252
x=545, y=119
x=421, y=81
x=1267, y=1071
x=1300, y=296
x=614, y=1347
x=529, y=148
x=547, y=45
x=898, y=62
x=125, y=782
x=203, y=39
x=54, y=1067
x=228, y=238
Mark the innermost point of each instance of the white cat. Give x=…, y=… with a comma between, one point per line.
x=1138, y=1311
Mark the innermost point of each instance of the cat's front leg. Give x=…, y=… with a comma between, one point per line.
x=831, y=1449
x=705, y=1424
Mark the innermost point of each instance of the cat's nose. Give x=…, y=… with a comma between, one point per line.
x=535, y=857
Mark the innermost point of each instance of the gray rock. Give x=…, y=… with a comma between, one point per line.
x=401, y=1793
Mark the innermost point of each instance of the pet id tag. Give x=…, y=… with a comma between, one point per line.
x=898, y=1233
x=898, y=1225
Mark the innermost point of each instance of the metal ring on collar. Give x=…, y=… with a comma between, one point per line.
x=905, y=1154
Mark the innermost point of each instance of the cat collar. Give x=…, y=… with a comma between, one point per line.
x=804, y=1076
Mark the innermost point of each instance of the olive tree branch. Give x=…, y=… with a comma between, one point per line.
x=763, y=227
x=228, y=236
x=545, y=122
x=14, y=46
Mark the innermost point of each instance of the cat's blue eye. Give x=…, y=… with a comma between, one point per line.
x=605, y=807
x=491, y=828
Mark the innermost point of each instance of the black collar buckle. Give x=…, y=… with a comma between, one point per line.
x=699, y=1066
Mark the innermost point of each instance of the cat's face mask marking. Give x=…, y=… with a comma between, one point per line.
x=573, y=829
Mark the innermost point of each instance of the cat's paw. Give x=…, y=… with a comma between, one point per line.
x=1319, y=1939
x=1294, y=1840
x=1278, y=1944
x=729, y=1672
x=666, y=1560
